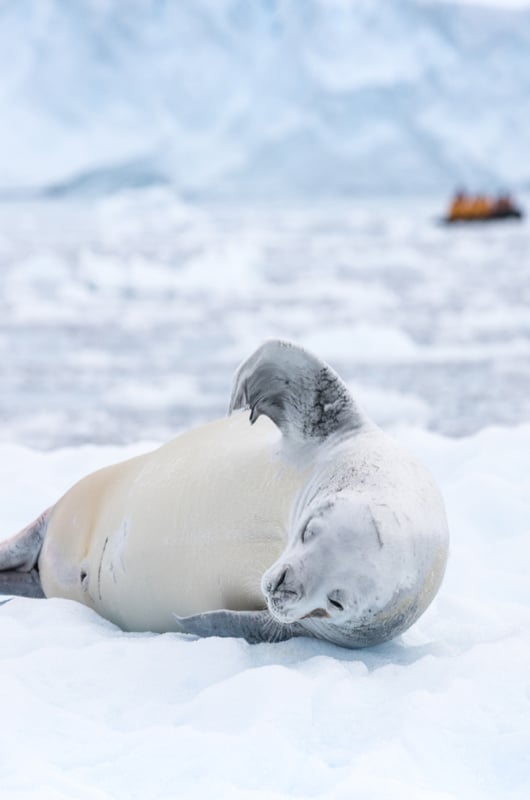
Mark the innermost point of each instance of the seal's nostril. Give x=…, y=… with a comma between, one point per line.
x=279, y=582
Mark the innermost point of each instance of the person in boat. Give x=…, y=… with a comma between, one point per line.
x=481, y=207
x=466, y=207
x=460, y=205
x=504, y=205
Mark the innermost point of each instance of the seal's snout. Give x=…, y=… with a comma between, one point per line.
x=283, y=584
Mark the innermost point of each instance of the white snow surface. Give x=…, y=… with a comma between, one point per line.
x=227, y=97
x=442, y=713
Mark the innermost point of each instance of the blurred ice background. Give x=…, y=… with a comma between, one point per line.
x=181, y=180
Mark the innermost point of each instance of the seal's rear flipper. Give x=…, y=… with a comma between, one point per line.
x=300, y=393
x=254, y=626
x=23, y=584
x=18, y=560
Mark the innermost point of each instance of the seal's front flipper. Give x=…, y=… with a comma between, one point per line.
x=301, y=394
x=254, y=626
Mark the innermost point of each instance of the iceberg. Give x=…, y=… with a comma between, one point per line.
x=262, y=99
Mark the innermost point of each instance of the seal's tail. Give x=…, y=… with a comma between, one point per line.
x=18, y=560
x=300, y=393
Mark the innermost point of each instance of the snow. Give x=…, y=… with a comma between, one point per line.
x=264, y=99
x=443, y=712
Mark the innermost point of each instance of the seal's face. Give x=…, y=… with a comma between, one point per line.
x=321, y=573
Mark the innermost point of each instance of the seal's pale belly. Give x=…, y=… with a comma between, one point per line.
x=188, y=528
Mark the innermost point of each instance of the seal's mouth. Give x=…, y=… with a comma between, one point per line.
x=288, y=615
x=282, y=614
x=317, y=612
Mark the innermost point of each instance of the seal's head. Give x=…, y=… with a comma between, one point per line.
x=327, y=568
x=367, y=550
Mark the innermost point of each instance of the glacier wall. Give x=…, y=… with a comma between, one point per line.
x=232, y=98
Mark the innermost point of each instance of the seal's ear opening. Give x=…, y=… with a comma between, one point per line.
x=301, y=394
